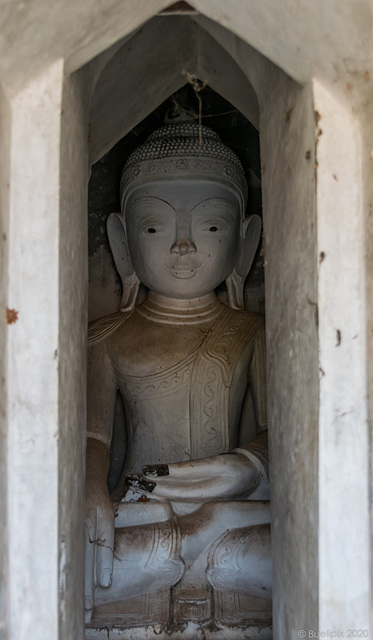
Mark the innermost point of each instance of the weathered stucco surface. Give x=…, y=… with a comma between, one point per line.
x=32, y=356
x=73, y=270
x=33, y=35
x=291, y=291
x=320, y=456
x=4, y=207
x=367, y=146
x=344, y=443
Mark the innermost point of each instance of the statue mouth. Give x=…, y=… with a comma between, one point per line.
x=184, y=272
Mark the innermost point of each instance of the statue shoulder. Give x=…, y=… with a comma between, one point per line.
x=101, y=328
x=253, y=316
x=250, y=321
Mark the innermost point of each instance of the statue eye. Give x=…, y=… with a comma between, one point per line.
x=212, y=229
x=151, y=230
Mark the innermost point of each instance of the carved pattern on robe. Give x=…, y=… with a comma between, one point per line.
x=230, y=563
x=104, y=327
x=221, y=349
x=158, y=384
x=164, y=560
x=225, y=555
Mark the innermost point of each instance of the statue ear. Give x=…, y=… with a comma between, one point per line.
x=119, y=247
x=246, y=252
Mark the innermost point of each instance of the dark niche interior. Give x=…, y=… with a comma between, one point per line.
x=194, y=100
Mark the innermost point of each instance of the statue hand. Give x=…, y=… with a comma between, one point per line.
x=99, y=550
x=228, y=476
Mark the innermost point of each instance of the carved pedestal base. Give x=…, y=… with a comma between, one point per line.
x=152, y=609
x=211, y=615
x=239, y=609
x=191, y=604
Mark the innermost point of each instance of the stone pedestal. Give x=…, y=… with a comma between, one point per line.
x=215, y=615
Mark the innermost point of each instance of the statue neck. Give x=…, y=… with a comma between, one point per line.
x=166, y=310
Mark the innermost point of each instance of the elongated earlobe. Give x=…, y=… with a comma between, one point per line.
x=119, y=247
x=246, y=253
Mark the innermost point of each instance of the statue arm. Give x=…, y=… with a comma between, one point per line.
x=227, y=476
x=256, y=449
x=258, y=379
x=238, y=475
x=257, y=452
x=99, y=516
x=101, y=392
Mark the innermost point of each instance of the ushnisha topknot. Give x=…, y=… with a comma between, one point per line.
x=183, y=150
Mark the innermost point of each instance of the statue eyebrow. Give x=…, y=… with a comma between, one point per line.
x=141, y=199
x=217, y=200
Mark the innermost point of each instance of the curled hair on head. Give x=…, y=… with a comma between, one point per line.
x=180, y=151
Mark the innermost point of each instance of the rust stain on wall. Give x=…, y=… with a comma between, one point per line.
x=11, y=316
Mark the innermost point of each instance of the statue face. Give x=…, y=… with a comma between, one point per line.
x=183, y=236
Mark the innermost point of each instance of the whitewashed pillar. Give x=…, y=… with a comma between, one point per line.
x=344, y=571
x=36, y=557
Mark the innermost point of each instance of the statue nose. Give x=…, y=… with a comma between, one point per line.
x=183, y=246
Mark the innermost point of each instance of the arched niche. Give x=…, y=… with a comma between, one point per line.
x=127, y=86
x=142, y=74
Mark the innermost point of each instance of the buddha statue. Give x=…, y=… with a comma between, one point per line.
x=185, y=536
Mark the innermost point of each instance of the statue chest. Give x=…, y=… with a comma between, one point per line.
x=143, y=348
x=177, y=387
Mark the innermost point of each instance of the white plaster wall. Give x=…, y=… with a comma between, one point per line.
x=304, y=39
x=4, y=207
x=344, y=445
x=32, y=358
x=35, y=35
x=367, y=144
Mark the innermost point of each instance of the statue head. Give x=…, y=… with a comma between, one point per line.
x=183, y=229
